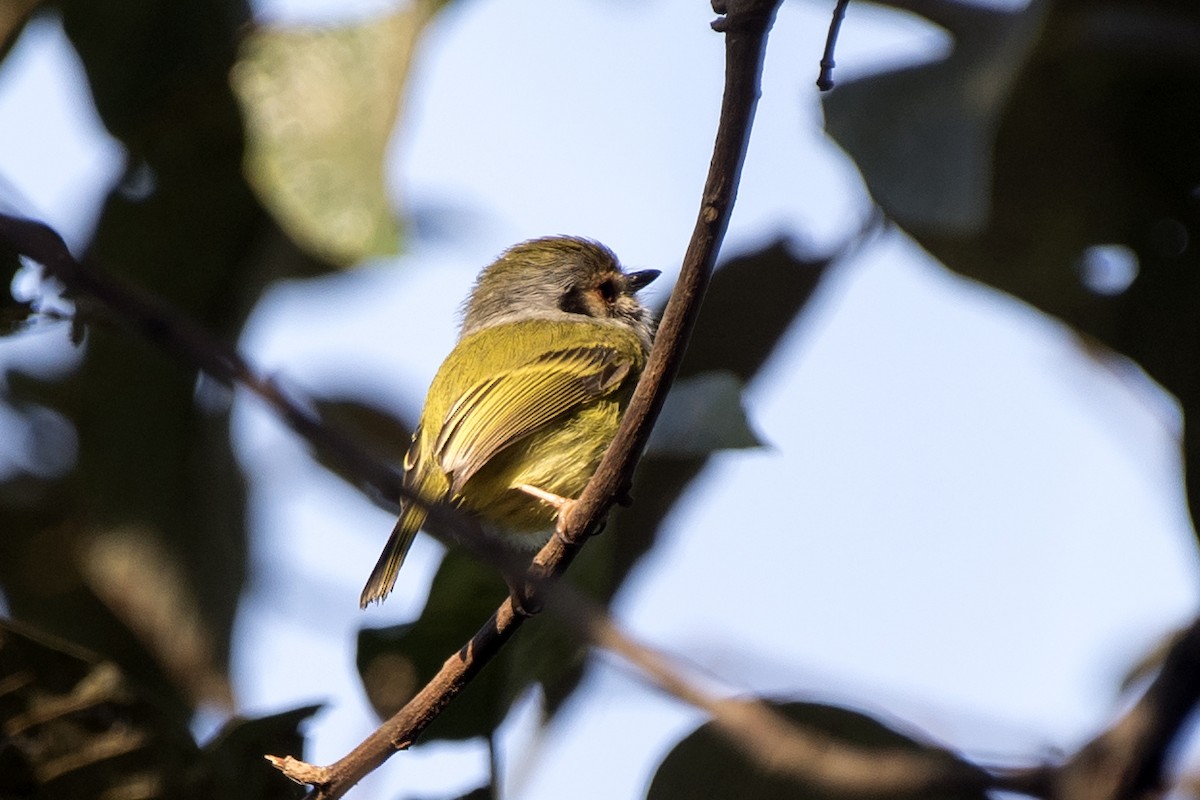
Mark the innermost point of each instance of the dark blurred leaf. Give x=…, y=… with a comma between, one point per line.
x=923, y=135
x=705, y=765
x=482, y=793
x=74, y=726
x=14, y=314
x=232, y=764
x=702, y=414
x=16, y=317
x=1092, y=211
x=184, y=226
x=320, y=105
x=377, y=430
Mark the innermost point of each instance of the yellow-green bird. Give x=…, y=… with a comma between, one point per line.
x=520, y=413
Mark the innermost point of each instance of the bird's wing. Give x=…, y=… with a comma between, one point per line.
x=498, y=411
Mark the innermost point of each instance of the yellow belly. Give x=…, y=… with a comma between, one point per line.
x=559, y=459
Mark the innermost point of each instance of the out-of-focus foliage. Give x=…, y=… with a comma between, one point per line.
x=135, y=548
x=232, y=765
x=396, y=662
x=771, y=286
x=706, y=765
x=703, y=413
x=320, y=105
x=15, y=313
x=73, y=725
x=152, y=467
x=1054, y=155
x=376, y=431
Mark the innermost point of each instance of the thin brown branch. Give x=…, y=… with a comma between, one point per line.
x=745, y=26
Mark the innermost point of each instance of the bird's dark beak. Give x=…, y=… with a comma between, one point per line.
x=639, y=280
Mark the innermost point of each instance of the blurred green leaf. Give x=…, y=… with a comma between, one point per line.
x=703, y=414
x=376, y=430
x=320, y=105
x=705, y=765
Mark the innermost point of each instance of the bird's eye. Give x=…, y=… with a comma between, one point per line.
x=608, y=291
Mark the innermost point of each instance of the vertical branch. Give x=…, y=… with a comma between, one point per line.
x=745, y=24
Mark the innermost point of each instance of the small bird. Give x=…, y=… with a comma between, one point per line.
x=520, y=413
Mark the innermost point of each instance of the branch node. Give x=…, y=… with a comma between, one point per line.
x=743, y=15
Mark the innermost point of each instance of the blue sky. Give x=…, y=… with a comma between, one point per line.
x=961, y=521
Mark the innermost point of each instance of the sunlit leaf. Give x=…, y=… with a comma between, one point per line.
x=129, y=569
x=320, y=105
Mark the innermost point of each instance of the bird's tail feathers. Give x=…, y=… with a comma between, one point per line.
x=383, y=577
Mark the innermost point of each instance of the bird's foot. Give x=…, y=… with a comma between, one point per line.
x=549, y=498
x=563, y=504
